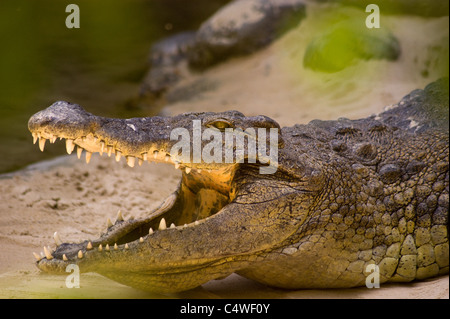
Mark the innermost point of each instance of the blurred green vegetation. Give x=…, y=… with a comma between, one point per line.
x=346, y=42
x=99, y=66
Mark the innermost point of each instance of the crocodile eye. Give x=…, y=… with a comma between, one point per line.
x=220, y=124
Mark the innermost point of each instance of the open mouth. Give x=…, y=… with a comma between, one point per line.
x=176, y=238
x=202, y=193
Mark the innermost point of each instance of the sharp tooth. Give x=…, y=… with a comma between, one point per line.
x=196, y=223
x=102, y=147
x=65, y=257
x=150, y=231
x=145, y=157
x=42, y=144
x=79, y=151
x=38, y=257
x=80, y=254
x=57, y=239
x=131, y=160
x=115, y=246
x=47, y=253
x=100, y=247
x=110, y=149
x=167, y=158
x=53, y=139
x=141, y=240
x=140, y=162
x=187, y=170
x=35, y=137
x=177, y=165
x=199, y=170
x=69, y=146
x=155, y=154
x=126, y=246
x=162, y=224
x=108, y=223
x=107, y=247
x=118, y=155
x=42, y=255
x=172, y=225
x=89, y=246
x=119, y=216
x=88, y=157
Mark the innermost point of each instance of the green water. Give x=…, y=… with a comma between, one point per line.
x=99, y=66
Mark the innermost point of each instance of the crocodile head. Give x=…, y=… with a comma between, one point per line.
x=313, y=207
x=224, y=215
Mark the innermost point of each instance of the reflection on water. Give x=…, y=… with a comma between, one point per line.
x=99, y=66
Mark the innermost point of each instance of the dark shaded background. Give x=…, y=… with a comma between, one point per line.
x=99, y=66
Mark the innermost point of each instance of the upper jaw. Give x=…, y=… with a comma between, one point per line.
x=138, y=140
x=115, y=137
x=84, y=131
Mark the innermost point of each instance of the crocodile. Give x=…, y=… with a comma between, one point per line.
x=346, y=196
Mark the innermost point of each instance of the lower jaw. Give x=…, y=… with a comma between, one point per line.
x=118, y=236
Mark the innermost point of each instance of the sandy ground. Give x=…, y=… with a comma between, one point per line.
x=75, y=199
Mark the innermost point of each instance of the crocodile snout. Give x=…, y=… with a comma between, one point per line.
x=61, y=119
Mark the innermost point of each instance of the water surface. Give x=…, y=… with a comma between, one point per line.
x=99, y=66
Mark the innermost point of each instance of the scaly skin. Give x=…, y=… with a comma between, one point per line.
x=345, y=194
